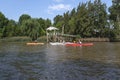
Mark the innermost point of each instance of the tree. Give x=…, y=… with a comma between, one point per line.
x=66, y=18
x=91, y=15
x=82, y=21
x=47, y=23
x=42, y=26
x=31, y=28
x=100, y=17
x=3, y=22
x=72, y=21
x=115, y=17
x=24, y=17
x=10, y=29
x=58, y=22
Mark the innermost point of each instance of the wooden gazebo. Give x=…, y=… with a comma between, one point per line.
x=51, y=33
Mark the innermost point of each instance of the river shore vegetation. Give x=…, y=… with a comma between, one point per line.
x=87, y=20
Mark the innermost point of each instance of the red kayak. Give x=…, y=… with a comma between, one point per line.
x=78, y=44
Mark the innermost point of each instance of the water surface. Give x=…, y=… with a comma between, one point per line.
x=21, y=62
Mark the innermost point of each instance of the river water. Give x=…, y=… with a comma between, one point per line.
x=46, y=62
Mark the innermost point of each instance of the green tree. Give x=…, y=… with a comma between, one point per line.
x=72, y=21
x=31, y=28
x=66, y=18
x=10, y=29
x=47, y=23
x=24, y=17
x=91, y=10
x=115, y=17
x=100, y=17
x=3, y=22
x=43, y=25
x=58, y=22
x=87, y=20
x=82, y=21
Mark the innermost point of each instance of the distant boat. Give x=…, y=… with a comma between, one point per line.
x=34, y=43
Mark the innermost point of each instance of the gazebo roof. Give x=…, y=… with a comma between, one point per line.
x=51, y=28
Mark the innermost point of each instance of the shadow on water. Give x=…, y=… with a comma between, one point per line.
x=21, y=62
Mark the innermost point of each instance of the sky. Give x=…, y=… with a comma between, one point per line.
x=13, y=9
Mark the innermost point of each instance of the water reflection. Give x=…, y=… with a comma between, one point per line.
x=21, y=62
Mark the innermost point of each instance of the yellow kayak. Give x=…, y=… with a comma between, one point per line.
x=34, y=43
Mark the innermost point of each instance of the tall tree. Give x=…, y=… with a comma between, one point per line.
x=100, y=15
x=24, y=17
x=66, y=18
x=91, y=11
x=10, y=29
x=31, y=28
x=115, y=17
x=58, y=22
x=3, y=22
x=72, y=21
x=47, y=23
x=42, y=26
x=82, y=21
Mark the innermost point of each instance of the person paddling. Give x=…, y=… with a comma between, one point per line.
x=80, y=42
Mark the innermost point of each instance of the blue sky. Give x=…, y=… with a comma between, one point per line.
x=13, y=9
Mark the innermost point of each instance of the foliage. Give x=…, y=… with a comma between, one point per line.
x=26, y=26
x=30, y=28
x=3, y=22
x=10, y=29
x=89, y=19
x=24, y=17
x=115, y=17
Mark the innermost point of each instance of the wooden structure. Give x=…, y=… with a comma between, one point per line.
x=52, y=34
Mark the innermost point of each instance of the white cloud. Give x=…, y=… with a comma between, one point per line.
x=59, y=7
x=57, y=0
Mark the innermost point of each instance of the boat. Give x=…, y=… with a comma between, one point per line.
x=57, y=43
x=34, y=43
x=79, y=44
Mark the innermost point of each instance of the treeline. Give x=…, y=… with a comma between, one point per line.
x=91, y=19
x=26, y=26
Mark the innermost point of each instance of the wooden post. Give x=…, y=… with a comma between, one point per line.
x=47, y=35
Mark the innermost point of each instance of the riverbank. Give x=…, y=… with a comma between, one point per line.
x=100, y=39
x=94, y=39
x=22, y=39
x=43, y=39
x=15, y=39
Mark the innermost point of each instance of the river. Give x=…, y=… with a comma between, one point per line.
x=46, y=62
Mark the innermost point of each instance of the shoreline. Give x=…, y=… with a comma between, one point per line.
x=94, y=39
x=43, y=39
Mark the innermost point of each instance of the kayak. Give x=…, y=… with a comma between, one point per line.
x=56, y=43
x=78, y=44
x=34, y=43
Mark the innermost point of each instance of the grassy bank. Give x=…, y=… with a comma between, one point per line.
x=95, y=39
x=43, y=39
x=21, y=39
x=115, y=39
x=15, y=39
